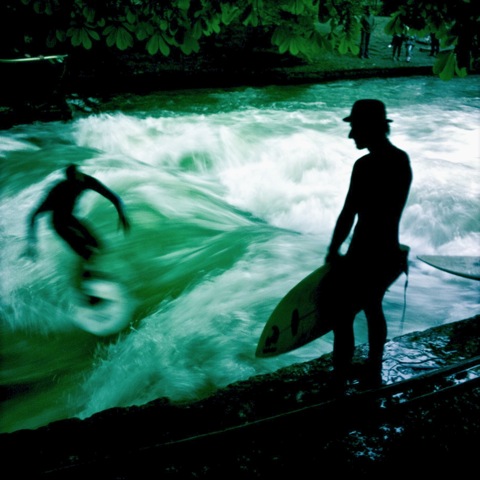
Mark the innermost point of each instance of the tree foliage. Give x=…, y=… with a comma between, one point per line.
x=161, y=27
x=456, y=24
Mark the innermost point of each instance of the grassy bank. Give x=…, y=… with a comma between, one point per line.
x=380, y=63
x=220, y=65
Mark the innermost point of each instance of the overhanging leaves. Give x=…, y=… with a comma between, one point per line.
x=157, y=43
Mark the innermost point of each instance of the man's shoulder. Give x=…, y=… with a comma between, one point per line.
x=401, y=154
x=392, y=153
x=91, y=182
x=362, y=165
x=58, y=187
x=362, y=160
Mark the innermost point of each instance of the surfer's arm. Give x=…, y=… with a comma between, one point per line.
x=340, y=233
x=43, y=207
x=31, y=229
x=121, y=214
x=101, y=189
x=343, y=226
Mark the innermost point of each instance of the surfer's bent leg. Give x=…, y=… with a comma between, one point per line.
x=77, y=236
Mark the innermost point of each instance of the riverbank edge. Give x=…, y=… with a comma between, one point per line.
x=200, y=439
x=67, y=101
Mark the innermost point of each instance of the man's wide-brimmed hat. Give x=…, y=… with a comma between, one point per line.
x=371, y=111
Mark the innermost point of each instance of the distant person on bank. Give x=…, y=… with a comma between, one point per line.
x=367, y=25
x=410, y=41
x=396, y=44
x=434, y=45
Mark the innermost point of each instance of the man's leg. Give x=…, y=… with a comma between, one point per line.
x=367, y=44
x=78, y=237
x=343, y=306
x=362, y=44
x=343, y=346
x=377, y=337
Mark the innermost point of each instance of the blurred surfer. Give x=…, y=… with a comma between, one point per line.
x=61, y=201
x=378, y=191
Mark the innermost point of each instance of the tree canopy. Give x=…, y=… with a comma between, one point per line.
x=182, y=25
x=455, y=23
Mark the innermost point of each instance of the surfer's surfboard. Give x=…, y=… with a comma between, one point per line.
x=294, y=322
x=33, y=59
x=102, y=306
x=463, y=266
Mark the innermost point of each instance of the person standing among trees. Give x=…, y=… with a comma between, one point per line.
x=409, y=45
x=396, y=44
x=434, y=45
x=367, y=25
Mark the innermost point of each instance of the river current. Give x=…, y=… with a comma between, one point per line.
x=232, y=195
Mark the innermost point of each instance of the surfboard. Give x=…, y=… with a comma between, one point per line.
x=463, y=266
x=294, y=322
x=102, y=306
x=33, y=59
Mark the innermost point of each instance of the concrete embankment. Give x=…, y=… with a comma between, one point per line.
x=426, y=419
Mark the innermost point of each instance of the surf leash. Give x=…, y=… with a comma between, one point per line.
x=406, y=249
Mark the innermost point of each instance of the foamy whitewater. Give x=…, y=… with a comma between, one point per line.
x=232, y=197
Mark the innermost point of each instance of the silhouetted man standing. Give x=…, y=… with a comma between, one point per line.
x=61, y=201
x=378, y=191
